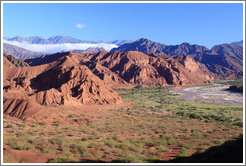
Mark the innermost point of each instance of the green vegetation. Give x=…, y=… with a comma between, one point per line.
x=157, y=124
x=183, y=153
x=15, y=61
x=70, y=116
x=230, y=82
x=61, y=160
x=57, y=123
x=9, y=126
x=158, y=98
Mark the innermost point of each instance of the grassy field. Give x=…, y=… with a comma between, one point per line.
x=230, y=82
x=158, y=128
x=160, y=99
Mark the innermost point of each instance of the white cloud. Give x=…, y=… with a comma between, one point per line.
x=80, y=26
x=53, y=48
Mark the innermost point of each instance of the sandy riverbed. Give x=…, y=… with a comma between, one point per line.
x=215, y=93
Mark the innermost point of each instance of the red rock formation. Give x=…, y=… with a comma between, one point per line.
x=119, y=69
x=139, y=68
x=63, y=81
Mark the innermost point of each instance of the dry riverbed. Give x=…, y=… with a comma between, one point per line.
x=216, y=93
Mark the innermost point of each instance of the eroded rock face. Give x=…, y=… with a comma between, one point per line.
x=121, y=69
x=224, y=60
x=72, y=78
x=62, y=82
x=148, y=69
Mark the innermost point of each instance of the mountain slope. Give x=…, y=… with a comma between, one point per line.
x=16, y=62
x=62, y=82
x=19, y=52
x=238, y=42
x=224, y=60
x=31, y=40
x=136, y=68
x=142, y=45
x=90, y=50
x=67, y=39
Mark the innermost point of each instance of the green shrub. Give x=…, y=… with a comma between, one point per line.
x=115, y=137
x=172, y=142
x=131, y=158
x=160, y=142
x=5, y=116
x=22, y=125
x=22, y=147
x=80, y=147
x=84, y=139
x=189, y=145
x=20, y=134
x=42, y=123
x=64, y=159
x=183, y=153
x=218, y=141
x=34, y=125
x=56, y=140
x=206, y=143
x=57, y=123
x=71, y=134
x=9, y=126
x=33, y=132
x=110, y=142
x=163, y=148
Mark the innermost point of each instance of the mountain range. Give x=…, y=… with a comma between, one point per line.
x=59, y=40
x=225, y=60
x=238, y=42
x=72, y=78
x=19, y=52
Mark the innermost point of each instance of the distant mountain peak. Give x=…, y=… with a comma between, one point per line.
x=143, y=39
x=238, y=42
x=186, y=44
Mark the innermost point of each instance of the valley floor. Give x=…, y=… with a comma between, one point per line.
x=152, y=125
x=216, y=93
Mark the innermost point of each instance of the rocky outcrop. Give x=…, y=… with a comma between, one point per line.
x=223, y=60
x=62, y=82
x=148, y=69
x=119, y=69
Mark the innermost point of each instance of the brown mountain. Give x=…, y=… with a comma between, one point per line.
x=63, y=81
x=148, y=46
x=139, y=68
x=7, y=63
x=15, y=61
x=224, y=60
x=135, y=68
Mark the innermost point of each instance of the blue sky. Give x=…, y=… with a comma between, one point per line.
x=204, y=24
